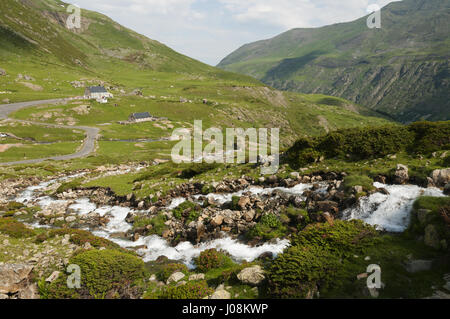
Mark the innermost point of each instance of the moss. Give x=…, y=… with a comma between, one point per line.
x=429, y=212
x=13, y=228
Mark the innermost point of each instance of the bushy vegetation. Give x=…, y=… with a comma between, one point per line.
x=64, y=187
x=191, y=290
x=157, y=223
x=105, y=273
x=13, y=228
x=316, y=256
x=371, y=142
x=81, y=237
x=197, y=169
x=210, y=259
x=187, y=210
x=358, y=180
x=269, y=227
x=432, y=213
x=295, y=217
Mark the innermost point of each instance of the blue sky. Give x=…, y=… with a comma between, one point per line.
x=208, y=30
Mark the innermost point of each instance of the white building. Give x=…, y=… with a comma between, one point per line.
x=98, y=93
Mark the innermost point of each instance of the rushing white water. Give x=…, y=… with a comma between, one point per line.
x=156, y=246
x=390, y=212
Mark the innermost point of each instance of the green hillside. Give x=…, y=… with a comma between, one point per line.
x=143, y=75
x=400, y=69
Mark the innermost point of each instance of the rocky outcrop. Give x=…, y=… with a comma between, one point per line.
x=401, y=174
x=441, y=177
x=252, y=275
x=16, y=282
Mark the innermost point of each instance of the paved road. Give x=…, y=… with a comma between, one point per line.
x=88, y=144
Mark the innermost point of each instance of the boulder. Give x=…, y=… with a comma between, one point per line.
x=431, y=238
x=221, y=294
x=53, y=277
x=196, y=277
x=447, y=189
x=15, y=282
x=176, y=277
x=441, y=177
x=2, y=72
x=243, y=202
x=249, y=215
x=252, y=275
x=414, y=266
x=401, y=174
x=217, y=221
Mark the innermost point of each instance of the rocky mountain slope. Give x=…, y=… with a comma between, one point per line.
x=401, y=69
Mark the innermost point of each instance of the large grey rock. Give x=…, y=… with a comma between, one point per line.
x=441, y=177
x=175, y=277
x=221, y=294
x=414, y=266
x=15, y=282
x=2, y=72
x=252, y=275
x=401, y=174
x=432, y=237
x=447, y=189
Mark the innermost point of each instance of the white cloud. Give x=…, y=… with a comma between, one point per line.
x=208, y=30
x=299, y=13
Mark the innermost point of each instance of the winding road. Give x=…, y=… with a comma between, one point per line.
x=88, y=144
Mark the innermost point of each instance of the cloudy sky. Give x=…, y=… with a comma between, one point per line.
x=208, y=30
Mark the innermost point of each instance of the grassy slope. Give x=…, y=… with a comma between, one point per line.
x=399, y=69
x=105, y=52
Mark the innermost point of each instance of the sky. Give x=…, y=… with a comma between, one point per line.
x=209, y=30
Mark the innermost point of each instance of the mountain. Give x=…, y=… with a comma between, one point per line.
x=43, y=59
x=401, y=69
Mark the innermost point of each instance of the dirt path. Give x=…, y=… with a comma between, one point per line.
x=88, y=144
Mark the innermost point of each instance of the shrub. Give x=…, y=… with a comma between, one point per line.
x=157, y=222
x=187, y=210
x=358, y=180
x=343, y=238
x=269, y=227
x=169, y=269
x=107, y=272
x=197, y=169
x=316, y=257
x=299, y=270
x=298, y=217
x=210, y=259
x=13, y=228
x=80, y=237
x=446, y=161
x=69, y=185
x=191, y=290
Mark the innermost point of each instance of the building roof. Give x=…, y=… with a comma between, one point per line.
x=143, y=115
x=97, y=89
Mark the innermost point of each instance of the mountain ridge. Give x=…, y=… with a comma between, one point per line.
x=368, y=67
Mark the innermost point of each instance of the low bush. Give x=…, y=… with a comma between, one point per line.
x=197, y=169
x=104, y=274
x=210, y=259
x=269, y=227
x=187, y=210
x=13, y=228
x=80, y=237
x=64, y=187
x=157, y=223
x=191, y=290
x=358, y=180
